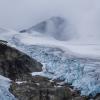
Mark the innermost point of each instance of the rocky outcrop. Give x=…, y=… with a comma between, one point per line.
x=15, y=64
x=41, y=88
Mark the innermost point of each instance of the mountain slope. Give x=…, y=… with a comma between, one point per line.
x=62, y=60
x=14, y=65
x=56, y=27
x=59, y=63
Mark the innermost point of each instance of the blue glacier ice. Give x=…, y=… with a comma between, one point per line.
x=81, y=72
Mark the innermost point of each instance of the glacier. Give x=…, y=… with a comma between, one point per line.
x=59, y=60
x=82, y=72
x=69, y=47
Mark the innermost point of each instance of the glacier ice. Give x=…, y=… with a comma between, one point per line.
x=81, y=72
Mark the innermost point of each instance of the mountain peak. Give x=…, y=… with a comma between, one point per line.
x=53, y=26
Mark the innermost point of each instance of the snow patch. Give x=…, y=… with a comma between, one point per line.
x=4, y=89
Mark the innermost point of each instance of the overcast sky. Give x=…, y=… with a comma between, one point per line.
x=84, y=15
x=24, y=13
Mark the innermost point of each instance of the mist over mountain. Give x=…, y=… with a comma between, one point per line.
x=83, y=16
x=56, y=27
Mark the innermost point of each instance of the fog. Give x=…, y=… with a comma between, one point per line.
x=83, y=15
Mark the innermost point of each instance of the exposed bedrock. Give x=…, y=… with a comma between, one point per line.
x=14, y=64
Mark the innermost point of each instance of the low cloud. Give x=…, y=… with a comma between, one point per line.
x=83, y=15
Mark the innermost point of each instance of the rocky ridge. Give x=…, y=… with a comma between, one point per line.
x=14, y=64
x=41, y=88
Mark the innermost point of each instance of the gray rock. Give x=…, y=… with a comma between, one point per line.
x=14, y=64
x=40, y=88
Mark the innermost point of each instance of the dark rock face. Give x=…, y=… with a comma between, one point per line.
x=40, y=88
x=14, y=64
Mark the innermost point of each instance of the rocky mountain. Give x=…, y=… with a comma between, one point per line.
x=56, y=27
x=14, y=64
x=60, y=62
x=17, y=66
x=45, y=26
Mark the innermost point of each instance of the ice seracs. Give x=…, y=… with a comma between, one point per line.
x=62, y=60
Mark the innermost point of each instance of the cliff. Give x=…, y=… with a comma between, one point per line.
x=15, y=64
